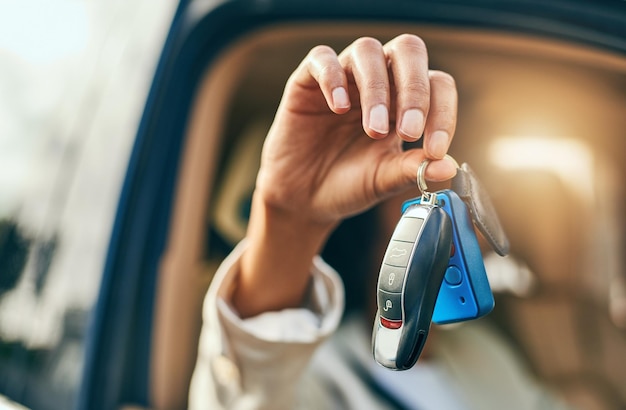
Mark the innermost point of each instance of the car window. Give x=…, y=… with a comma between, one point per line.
x=542, y=127
x=74, y=76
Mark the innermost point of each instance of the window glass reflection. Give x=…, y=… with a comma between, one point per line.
x=73, y=80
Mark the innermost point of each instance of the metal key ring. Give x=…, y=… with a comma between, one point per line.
x=421, y=173
x=421, y=179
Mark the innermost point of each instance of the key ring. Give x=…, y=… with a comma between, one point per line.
x=427, y=197
x=421, y=179
x=421, y=174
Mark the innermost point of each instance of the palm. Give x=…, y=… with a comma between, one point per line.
x=326, y=165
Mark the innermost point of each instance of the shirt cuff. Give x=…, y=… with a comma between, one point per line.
x=316, y=319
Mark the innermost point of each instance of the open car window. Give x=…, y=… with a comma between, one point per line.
x=541, y=123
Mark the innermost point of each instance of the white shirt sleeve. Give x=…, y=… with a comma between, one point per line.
x=257, y=362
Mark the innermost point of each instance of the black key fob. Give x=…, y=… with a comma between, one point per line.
x=408, y=284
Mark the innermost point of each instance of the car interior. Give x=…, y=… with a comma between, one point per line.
x=540, y=121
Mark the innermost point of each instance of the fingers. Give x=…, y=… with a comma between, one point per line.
x=398, y=173
x=321, y=68
x=441, y=170
x=425, y=101
x=408, y=60
x=441, y=122
x=366, y=61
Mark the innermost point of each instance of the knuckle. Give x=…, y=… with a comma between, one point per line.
x=321, y=50
x=328, y=73
x=322, y=61
x=410, y=41
x=442, y=78
x=416, y=88
x=377, y=85
x=442, y=112
x=367, y=43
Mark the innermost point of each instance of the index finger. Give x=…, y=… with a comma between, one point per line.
x=321, y=68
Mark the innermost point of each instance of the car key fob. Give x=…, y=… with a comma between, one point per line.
x=465, y=293
x=408, y=284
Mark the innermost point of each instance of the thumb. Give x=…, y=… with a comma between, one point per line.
x=400, y=173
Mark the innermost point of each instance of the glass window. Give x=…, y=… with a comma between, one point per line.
x=73, y=80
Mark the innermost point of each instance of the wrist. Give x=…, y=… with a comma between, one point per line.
x=275, y=269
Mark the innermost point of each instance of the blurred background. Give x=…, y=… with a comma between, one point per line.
x=74, y=76
x=541, y=121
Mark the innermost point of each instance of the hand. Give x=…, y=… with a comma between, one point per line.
x=320, y=159
x=334, y=149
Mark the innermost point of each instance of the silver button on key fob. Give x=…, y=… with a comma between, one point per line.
x=408, y=284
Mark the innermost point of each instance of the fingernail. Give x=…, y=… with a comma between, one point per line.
x=340, y=98
x=379, y=119
x=412, y=123
x=438, y=144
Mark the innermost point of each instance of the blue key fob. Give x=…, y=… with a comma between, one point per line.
x=465, y=293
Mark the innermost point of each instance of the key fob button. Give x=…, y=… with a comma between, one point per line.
x=391, y=278
x=407, y=229
x=398, y=254
x=391, y=324
x=453, y=276
x=390, y=305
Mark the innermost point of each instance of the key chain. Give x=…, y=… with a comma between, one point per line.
x=456, y=292
x=427, y=197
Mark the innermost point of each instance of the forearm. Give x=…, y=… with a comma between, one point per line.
x=275, y=269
